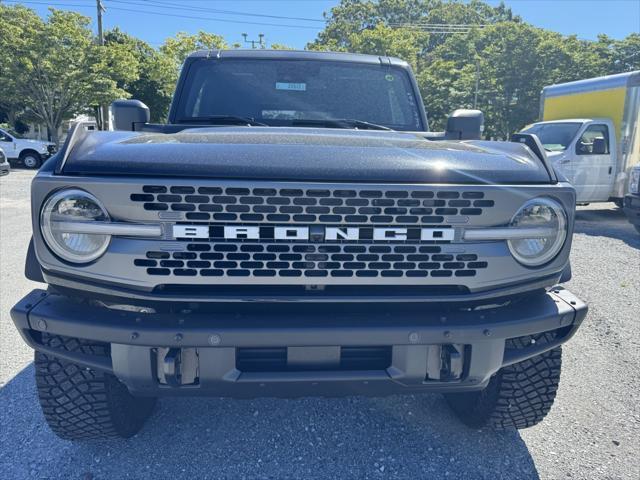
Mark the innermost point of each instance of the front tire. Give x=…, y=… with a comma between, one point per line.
x=519, y=395
x=31, y=160
x=80, y=403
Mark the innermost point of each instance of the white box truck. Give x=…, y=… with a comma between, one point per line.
x=591, y=131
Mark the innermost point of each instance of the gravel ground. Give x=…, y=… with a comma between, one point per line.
x=593, y=431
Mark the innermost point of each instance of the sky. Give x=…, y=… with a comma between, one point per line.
x=154, y=20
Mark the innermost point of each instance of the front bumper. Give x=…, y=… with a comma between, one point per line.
x=632, y=208
x=474, y=339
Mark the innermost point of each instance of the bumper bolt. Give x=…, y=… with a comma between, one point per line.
x=134, y=335
x=447, y=334
x=178, y=337
x=42, y=325
x=414, y=337
x=487, y=333
x=214, y=339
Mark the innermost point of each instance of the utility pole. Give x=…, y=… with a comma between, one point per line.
x=253, y=43
x=475, y=95
x=103, y=111
x=100, y=9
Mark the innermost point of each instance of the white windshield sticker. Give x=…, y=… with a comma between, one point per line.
x=298, y=87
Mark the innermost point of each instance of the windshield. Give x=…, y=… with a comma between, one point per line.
x=290, y=92
x=555, y=137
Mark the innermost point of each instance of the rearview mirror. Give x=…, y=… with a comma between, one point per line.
x=464, y=124
x=127, y=113
x=599, y=146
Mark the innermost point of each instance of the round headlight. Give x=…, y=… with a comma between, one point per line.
x=548, y=220
x=73, y=206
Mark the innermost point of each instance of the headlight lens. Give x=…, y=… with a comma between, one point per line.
x=73, y=206
x=634, y=182
x=548, y=216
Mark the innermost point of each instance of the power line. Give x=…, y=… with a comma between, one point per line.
x=174, y=15
x=170, y=5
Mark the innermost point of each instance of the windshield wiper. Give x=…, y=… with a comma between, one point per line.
x=342, y=123
x=224, y=120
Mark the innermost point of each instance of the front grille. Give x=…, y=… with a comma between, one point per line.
x=326, y=206
x=276, y=360
x=422, y=246
x=309, y=260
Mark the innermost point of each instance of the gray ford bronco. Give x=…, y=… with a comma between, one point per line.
x=295, y=229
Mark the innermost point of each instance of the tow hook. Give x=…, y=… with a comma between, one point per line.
x=171, y=367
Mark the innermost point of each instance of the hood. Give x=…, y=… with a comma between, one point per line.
x=304, y=154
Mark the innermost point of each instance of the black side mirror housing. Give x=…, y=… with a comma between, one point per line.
x=599, y=146
x=128, y=113
x=464, y=124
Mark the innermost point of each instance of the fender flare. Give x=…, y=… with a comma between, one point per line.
x=32, y=269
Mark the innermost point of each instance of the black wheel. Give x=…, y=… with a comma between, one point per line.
x=31, y=159
x=80, y=403
x=519, y=395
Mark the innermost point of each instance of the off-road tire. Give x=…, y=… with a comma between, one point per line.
x=81, y=403
x=30, y=160
x=519, y=395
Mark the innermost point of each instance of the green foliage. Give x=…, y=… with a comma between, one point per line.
x=154, y=80
x=55, y=68
x=280, y=46
x=178, y=48
x=511, y=60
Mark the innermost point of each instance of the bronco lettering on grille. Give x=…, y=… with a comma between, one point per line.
x=318, y=234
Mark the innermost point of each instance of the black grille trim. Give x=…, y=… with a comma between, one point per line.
x=327, y=206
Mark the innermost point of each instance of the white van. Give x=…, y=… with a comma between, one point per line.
x=591, y=131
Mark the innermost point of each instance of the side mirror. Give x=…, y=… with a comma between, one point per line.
x=126, y=113
x=464, y=125
x=599, y=146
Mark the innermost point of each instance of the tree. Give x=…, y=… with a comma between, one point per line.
x=511, y=60
x=17, y=26
x=59, y=70
x=154, y=80
x=280, y=46
x=179, y=47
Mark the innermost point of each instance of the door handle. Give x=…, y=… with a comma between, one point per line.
x=566, y=160
x=610, y=170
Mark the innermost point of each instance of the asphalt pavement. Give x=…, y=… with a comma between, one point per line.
x=592, y=432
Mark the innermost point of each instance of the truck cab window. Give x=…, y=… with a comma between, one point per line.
x=4, y=137
x=555, y=137
x=586, y=142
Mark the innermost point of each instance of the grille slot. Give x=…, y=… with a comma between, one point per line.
x=310, y=260
x=327, y=206
x=275, y=360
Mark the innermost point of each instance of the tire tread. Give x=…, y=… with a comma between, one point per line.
x=81, y=403
x=519, y=395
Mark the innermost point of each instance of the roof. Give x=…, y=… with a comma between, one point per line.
x=300, y=55
x=628, y=79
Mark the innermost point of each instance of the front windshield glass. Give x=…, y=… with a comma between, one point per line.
x=290, y=92
x=555, y=137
